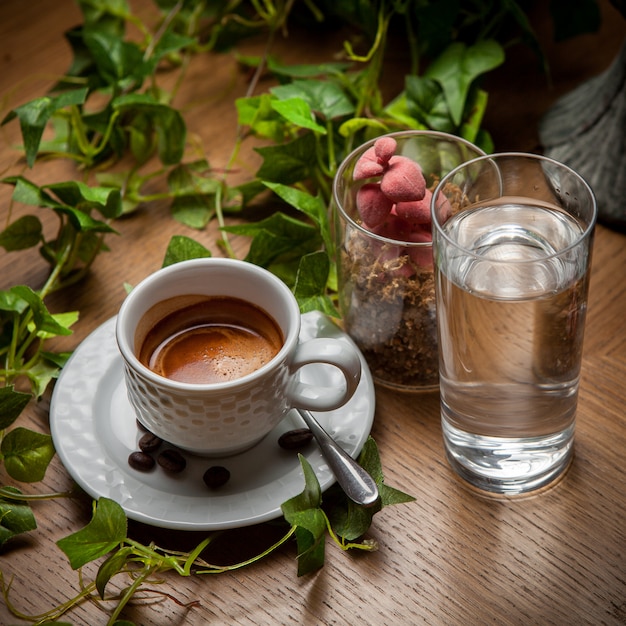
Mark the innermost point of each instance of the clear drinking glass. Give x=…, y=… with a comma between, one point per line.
x=385, y=272
x=512, y=241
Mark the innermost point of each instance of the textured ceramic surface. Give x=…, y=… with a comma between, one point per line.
x=227, y=418
x=94, y=430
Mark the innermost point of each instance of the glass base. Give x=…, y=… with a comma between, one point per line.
x=508, y=466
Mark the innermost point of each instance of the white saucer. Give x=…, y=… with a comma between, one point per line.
x=94, y=430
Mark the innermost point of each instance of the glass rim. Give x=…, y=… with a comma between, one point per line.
x=368, y=144
x=584, y=234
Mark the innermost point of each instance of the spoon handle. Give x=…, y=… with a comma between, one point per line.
x=357, y=484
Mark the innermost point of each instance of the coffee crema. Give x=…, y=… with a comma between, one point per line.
x=207, y=339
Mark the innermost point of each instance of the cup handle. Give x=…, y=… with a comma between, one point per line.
x=326, y=351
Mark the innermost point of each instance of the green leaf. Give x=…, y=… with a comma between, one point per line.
x=12, y=403
x=352, y=126
x=298, y=112
x=167, y=122
x=427, y=104
x=34, y=116
x=106, y=530
x=275, y=236
x=477, y=105
x=120, y=63
x=106, y=200
x=181, y=248
x=26, y=454
x=304, y=512
x=351, y=521
x=326, y=99
x=27, y=192
x=114, y=564
x=258, y=114
x=287, y=163
x=10, y=301
x=58, y=358
x=168, y=43
x=307, y=70
x=313, y=207
x=40, y=376
x=458, y=66
x=44, y=321
x=15, y=516
x=311, y=283
x=66, y=320
x=83, y=222
x=195, y=211
x=370, y=460
x=24, y=233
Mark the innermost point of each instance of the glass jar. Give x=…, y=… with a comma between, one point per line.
x=384, y=267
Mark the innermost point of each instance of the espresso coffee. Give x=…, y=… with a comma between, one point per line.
x=207, y=339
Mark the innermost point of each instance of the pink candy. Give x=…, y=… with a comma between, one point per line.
x=403, y=181
x=374, y=206
x=398, y=205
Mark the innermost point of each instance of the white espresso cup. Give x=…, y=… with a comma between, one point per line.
x=223, y=418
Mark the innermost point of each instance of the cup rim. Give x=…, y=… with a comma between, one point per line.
x=368, y=144
x=588, y=230
x=128, y=353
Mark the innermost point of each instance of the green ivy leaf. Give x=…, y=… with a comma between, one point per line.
x=354, y=125
x=27, y=192
x=304, y=512
x=58, y=358
x=298, y=112
x=83, y=222
x=307, y=70
x=351, y=521
x=167, y=122
x=26, y=454
x=458, y=66
x=106, y=200
x=15, y=516
x=181, y=248
x=34, y=116
x=12, y=403
x=274, y=236
x=426, y=103
x=120, y=63
x=312, y=206
x=195, y=211
x=40, y=375
x=287, y=163
x=311, y=284
x=326, y=99
x=25, y=232
x=43, y=320
x=106, y=530
x=112, y=566
x=259, y=115
x=11, y=302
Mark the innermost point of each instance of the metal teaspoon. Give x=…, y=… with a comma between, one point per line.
x=357, y=484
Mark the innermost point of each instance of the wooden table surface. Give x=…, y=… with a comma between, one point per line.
x=450, y=557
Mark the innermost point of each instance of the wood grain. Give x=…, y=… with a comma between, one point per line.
x=451, y=557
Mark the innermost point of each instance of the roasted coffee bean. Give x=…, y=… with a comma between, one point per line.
x=172, y=461
x=216, y=476
x=140, y=461
x=150, y=443
x=294, y=439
